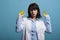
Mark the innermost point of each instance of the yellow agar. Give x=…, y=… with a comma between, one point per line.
x=45, y=13
x=22, y=12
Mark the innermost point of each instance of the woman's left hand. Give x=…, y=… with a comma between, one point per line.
x=45, y=14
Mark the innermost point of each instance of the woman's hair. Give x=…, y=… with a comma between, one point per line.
x=32, y=7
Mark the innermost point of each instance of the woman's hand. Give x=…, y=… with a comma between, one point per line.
x=21, y=13
x=45, y=14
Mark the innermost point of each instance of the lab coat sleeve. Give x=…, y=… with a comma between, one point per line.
x=19, y=24
x=48, y=25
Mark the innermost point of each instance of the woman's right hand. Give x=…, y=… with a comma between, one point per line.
x=21, y=13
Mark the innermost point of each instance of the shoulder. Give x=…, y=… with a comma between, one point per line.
x=40, y=21
x=25, y=19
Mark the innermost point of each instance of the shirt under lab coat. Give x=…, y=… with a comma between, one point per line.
x=25, y=24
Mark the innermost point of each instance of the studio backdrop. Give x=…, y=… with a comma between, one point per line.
x=9, y=10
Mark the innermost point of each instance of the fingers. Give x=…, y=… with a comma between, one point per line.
x=21, y=13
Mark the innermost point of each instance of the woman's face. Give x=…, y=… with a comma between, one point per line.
x=34, y=12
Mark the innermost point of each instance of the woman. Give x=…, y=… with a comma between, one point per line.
x=33, y=27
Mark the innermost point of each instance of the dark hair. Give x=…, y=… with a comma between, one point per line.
x=31, y=7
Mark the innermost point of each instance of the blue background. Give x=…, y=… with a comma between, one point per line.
x=9, y=10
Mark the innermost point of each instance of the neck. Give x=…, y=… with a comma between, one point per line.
x=34, y=18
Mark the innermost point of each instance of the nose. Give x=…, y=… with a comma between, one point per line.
x=33, y=11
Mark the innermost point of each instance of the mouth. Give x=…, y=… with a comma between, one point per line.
x=33, y=14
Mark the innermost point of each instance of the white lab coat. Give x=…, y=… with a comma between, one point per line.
x=25, y=25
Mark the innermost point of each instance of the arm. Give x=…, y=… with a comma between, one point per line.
x=19, y=24
x=48, y=24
